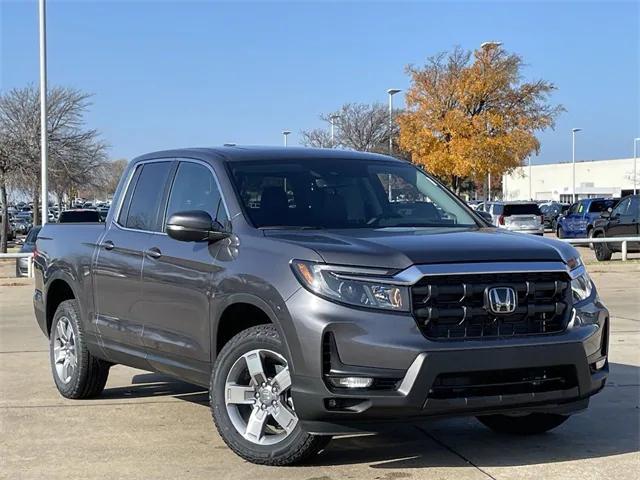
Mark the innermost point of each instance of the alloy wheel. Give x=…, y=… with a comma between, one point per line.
x=64, y=350
x=258, y=397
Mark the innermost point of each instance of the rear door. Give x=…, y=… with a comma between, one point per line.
x=178, y=278
x=118, y=264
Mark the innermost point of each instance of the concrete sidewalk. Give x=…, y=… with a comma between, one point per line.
x=148, y=426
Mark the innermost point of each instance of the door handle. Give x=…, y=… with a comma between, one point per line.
x=107, y=245
x=153, y=252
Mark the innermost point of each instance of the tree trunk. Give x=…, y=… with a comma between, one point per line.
x=5, y=217
x=36, y=209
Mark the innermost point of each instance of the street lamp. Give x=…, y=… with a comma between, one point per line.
x=332, y=120
x=285, y=134
x=483, y=46
x=530, y=189
x=635, y=167
x=573, y=157
x=391, y=92
x=44, y=189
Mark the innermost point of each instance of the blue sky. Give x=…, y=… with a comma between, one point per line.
x=176, y=73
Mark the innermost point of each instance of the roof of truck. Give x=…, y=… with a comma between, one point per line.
x=233, y=153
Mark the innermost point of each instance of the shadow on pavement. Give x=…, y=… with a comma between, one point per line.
x=148, y=385
x=611, y=426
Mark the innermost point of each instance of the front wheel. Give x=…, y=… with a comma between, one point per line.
x=531, y=424
x=560, y=232
x=251, y=401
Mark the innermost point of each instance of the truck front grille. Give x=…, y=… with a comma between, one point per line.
x=457, y=306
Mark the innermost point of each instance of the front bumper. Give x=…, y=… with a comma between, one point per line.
x=383, y=345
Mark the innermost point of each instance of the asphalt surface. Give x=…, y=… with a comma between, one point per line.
x=148, y=426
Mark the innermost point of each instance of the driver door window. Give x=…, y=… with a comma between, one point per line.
x=194, y=188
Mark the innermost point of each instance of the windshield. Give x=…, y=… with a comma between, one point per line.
x=343, y=193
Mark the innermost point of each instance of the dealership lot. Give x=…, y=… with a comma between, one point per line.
x=150, y=426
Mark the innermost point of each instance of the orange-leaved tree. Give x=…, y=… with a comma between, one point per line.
x=470, y=113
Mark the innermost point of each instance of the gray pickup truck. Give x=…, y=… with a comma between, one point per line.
x=315, y=293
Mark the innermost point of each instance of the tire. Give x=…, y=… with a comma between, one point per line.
x=273, y=445
x=602, y=250
x=590, y=236
x=84, y=375
x=531, y=424
x=560, y=232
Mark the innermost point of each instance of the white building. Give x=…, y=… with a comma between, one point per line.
x=554, y=181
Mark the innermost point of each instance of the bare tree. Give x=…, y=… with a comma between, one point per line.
x=317, y=138
x=74, y=151
x=357, y=126
x=8, y=167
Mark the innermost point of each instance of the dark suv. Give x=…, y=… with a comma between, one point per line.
x=318, y=292
x=622, y=220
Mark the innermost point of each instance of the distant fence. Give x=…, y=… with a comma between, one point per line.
x=589, y=241
x=21, y=255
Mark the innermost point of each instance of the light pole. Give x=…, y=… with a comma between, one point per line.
x=391, y=92
x=635, y=166
x=530, y=189
x=285, y=134
x=44, y=190
x=573, y=158
x=332, y=120
x=485, y=46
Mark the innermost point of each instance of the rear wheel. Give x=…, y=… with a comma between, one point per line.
x=531, y=424
x=251, y=401
x=602, y=250
x=76, y=372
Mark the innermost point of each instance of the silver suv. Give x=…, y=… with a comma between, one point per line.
x=524, y=217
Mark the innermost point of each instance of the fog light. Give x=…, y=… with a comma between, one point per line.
x=600, y=363
x=351, y=382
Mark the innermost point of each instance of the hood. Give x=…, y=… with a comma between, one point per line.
x=399, y=248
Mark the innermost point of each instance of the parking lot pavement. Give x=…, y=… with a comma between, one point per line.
x=149, y=426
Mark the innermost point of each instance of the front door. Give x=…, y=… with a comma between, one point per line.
x=177, y=281
x=118, y=264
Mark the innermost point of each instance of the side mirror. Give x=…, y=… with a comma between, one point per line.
x=195, y=226
x=485, y=216
x=606, y=213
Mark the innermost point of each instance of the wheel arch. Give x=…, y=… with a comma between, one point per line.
x=59, y=289
x=232, y=319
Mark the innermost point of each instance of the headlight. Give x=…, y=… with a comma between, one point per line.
x=350, y=286
x=581, y=287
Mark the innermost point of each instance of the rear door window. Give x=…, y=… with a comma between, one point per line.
x=521, y=209
x=146, y=207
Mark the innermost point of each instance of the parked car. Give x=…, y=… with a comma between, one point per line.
x=22, y=264
x=78, y=216
x=23, y=224
x=577, y=222
x=524, y=217
x=550, y=213
x=338, y=312
x=620, y=221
